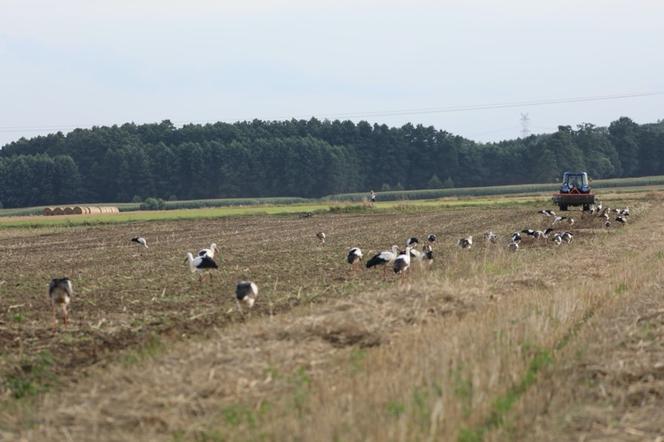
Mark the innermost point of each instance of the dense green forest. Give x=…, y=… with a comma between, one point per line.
x=304, y=158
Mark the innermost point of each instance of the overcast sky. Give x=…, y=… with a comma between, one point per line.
x=69, y=64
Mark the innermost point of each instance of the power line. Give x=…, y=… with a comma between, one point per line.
x=401, y=112
x=466, y=108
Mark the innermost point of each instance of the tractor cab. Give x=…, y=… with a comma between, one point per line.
x=574, y=191
x=575, y=182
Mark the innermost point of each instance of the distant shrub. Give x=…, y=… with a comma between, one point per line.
x=434, y=182
x=136, y=199
x=153, y=204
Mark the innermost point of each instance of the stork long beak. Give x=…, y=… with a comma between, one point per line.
x=185, y=260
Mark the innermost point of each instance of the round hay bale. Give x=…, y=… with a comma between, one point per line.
x=58, y=211
x=94, y=210
x=78, y=210
x=48, y=211
x=69, y=211
x=109, y=209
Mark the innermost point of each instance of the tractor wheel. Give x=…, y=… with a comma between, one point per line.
x=563, y=207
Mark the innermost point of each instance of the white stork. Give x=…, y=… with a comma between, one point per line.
x=246, y=291
x=60, y=292
x=140, y=241
x=354, y=256
x=538, y=234
x=402, y=262
x=210, y=251
x=529, y=232
x=427, y=255
x=384, y=258
x=200, y=264
x=557, y=238
x=557, y=219
x=546, y=233
x=416, y=254
x=321, y=237
x=465, y=243
x=490, y=237
x=410, y=242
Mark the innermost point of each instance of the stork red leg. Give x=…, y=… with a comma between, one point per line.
x=55, y=321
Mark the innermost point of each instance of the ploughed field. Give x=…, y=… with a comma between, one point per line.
x=124, y=293
x=327, y=352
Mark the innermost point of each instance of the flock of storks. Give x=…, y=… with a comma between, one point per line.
x=401, y=259
x=60, y=290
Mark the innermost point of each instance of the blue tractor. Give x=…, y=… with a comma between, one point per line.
x=574, y=191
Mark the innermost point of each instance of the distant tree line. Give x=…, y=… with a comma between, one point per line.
x=307, y=158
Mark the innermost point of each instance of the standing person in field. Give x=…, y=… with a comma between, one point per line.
x=372, y=197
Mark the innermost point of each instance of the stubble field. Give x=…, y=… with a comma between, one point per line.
x=461, y=351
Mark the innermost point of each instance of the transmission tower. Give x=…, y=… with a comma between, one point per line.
x=525, y=121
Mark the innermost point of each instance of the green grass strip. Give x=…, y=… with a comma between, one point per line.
x=496, y=190
x=504, y=403
x=291, y=209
